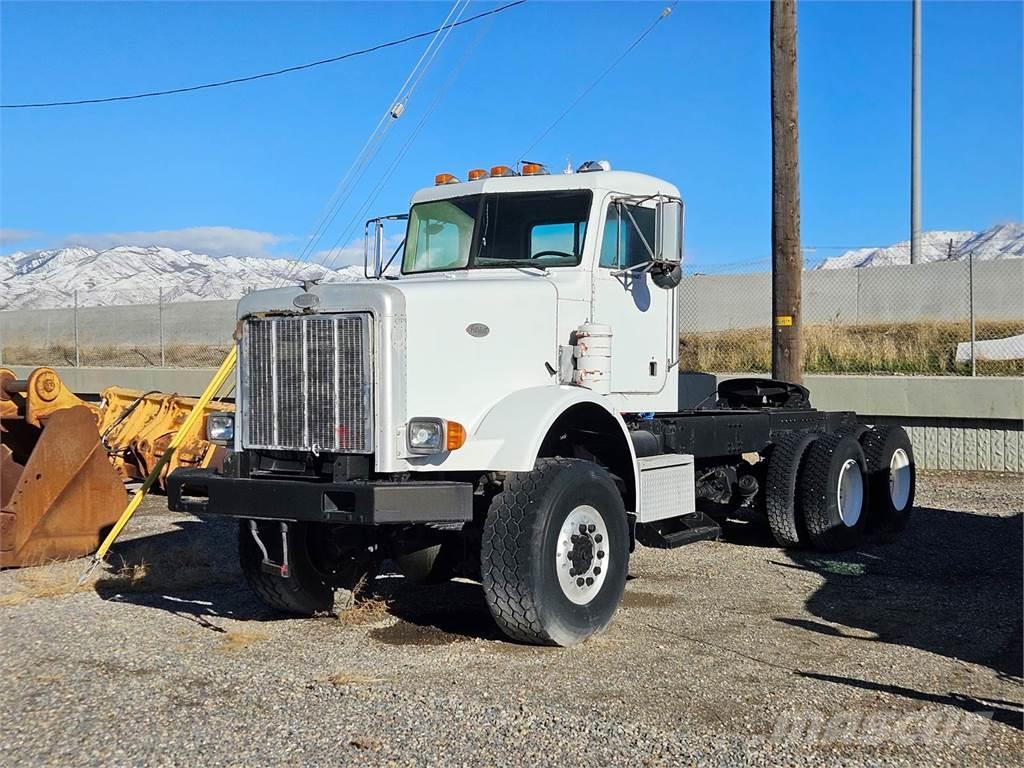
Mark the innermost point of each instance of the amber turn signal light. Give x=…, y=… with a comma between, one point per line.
x=456, y=436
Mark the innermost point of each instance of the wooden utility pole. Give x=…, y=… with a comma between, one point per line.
x=787, y=259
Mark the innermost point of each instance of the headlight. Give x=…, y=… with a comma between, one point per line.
x=431, y=435
x=426, y=435
x=220, y=428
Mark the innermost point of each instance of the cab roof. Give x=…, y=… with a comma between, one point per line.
x=624, y=182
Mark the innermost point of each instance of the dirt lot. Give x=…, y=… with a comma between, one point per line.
x=723, y=653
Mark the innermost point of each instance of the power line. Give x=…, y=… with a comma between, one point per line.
x=331, y=259
x=376, y=139
x=264, y=75
x=664, y=13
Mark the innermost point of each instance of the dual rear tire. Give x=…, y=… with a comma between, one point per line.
x=828, y=491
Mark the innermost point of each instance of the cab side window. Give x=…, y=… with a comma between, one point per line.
x=622, y=246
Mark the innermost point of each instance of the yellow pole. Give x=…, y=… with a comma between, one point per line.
x=197, y=411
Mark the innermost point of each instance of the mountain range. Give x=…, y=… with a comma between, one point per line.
x=131, y=274
x=1003, y=241
x=137, y=274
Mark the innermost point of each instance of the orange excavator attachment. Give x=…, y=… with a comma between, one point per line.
x=137, y=427
x=58, y=491
x=64, y=461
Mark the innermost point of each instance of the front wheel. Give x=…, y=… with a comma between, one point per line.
x=555, y=553
x=317, y=566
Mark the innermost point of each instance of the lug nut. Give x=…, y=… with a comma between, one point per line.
x=600, y=554
x=579, y=582
x=592, y=528
x=583, y=528
x=597, y=570
x=590, y=582
x=599, y=538
x=572, y=571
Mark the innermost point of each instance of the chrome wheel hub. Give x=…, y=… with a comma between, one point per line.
x=850, y=493
x=899, y=479
x=581, y=555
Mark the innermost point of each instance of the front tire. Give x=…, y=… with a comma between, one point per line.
x=305, y=591
x=544, y=583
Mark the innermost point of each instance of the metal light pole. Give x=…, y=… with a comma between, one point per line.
x=915, y=135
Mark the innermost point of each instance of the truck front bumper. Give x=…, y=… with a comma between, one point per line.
x=204, y=492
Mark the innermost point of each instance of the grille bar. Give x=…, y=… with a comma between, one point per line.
x=307, y=383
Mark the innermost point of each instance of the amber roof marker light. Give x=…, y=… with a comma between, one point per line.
x=476, y=174
x=445, y=178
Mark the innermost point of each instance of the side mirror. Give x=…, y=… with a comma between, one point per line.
x=669, y=236
x=373, y=248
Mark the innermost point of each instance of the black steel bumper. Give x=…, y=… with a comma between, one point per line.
x=204, y=492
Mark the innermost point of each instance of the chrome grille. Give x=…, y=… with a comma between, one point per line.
x=306, y=383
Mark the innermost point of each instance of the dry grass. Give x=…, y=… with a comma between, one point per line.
x=363, y=607
x=153, y=568
x=150, y=570
x=58, y=579
x=126, y=355
x=906, y=348
x=237, y=639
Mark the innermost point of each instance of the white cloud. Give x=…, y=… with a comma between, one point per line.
x=339, y=257
x=14, y=236
x=212, y=241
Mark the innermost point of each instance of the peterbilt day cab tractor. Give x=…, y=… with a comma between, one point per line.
x=506, y=407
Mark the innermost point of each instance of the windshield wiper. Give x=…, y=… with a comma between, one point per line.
x=514, y=263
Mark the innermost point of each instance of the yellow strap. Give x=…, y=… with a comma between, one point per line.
x=197, y=411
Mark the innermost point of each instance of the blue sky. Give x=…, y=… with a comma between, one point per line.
x=247, y=169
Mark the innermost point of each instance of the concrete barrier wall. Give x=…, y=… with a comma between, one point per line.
x=878, y=294
x=954, y=422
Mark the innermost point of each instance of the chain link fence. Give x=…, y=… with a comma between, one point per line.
x=148, y=332
x=948, y=318
x=951, y=318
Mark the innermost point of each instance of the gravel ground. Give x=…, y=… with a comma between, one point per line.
x=731, y=652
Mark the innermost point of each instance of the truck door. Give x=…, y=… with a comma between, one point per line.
x=636, y=309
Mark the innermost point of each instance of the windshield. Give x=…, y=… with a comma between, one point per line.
x=508, y=230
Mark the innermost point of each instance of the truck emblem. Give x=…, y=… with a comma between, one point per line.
x=477, y=330
x=306, y=300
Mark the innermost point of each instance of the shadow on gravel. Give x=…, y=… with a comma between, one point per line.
x=434, y=614
x=951, y=584
x=191, y=572
x=1006, y=712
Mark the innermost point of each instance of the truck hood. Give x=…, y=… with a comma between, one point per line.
x=451, y=342
x=472, y=339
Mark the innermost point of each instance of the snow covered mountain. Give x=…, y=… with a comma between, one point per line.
x=134, y=275
x=1003, y=241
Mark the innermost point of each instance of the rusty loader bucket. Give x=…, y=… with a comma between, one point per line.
x=58, y=490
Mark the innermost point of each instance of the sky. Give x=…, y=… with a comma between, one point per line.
x=247, y=169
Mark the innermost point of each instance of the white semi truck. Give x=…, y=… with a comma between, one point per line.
x=505, y=406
